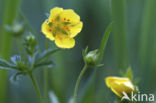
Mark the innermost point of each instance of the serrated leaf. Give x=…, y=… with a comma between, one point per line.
x=129, y=73
x=14, y=77
x=5, y=68
x=46, y=63
x=47, y=53
x=6, y=65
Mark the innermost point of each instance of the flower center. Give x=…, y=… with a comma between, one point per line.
x=59, y=26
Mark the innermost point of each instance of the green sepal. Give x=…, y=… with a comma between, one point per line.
x=129, y=73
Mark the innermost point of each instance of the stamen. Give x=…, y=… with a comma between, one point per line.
x=49, y=29
x=68, y=20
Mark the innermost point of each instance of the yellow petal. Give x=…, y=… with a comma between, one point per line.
x=46, y=30
x=70, y=15
x=119, y=85
x=64, y=41
x=75, y=29
x=54, y=12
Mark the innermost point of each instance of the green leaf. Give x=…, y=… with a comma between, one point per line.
x=45, y=63
x=16, y=75
x=104, y=41
x=129, y=73
x=47, y=53
x=6, y=65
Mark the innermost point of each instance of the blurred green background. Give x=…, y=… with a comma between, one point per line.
x=132, y=43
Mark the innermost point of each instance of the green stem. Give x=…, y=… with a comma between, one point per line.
x=46, y=79
x=120, y=33
x=45, y=85
x=78, y=82
x=36, y=87
x=21, y=48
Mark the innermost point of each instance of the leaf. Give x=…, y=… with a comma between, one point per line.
x=15, y=77
x=47, y=53
x=6, y=65
x=129, y=73
x=46, y=63
x=104, y=41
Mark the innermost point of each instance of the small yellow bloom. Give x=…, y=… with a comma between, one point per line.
x=119, y=85
x=62, y=26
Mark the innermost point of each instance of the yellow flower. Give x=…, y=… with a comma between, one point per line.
x=119, y=85
x=62, y=26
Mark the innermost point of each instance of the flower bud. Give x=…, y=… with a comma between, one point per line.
x=30, y=44
x=17, y=29
x=120, y=85
x=91, y=58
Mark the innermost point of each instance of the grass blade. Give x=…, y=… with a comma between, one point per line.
x=11, y=7
x=119, y=33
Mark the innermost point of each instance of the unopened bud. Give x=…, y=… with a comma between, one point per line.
x=30, y=44
x=91, y=58
x=17, y=29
